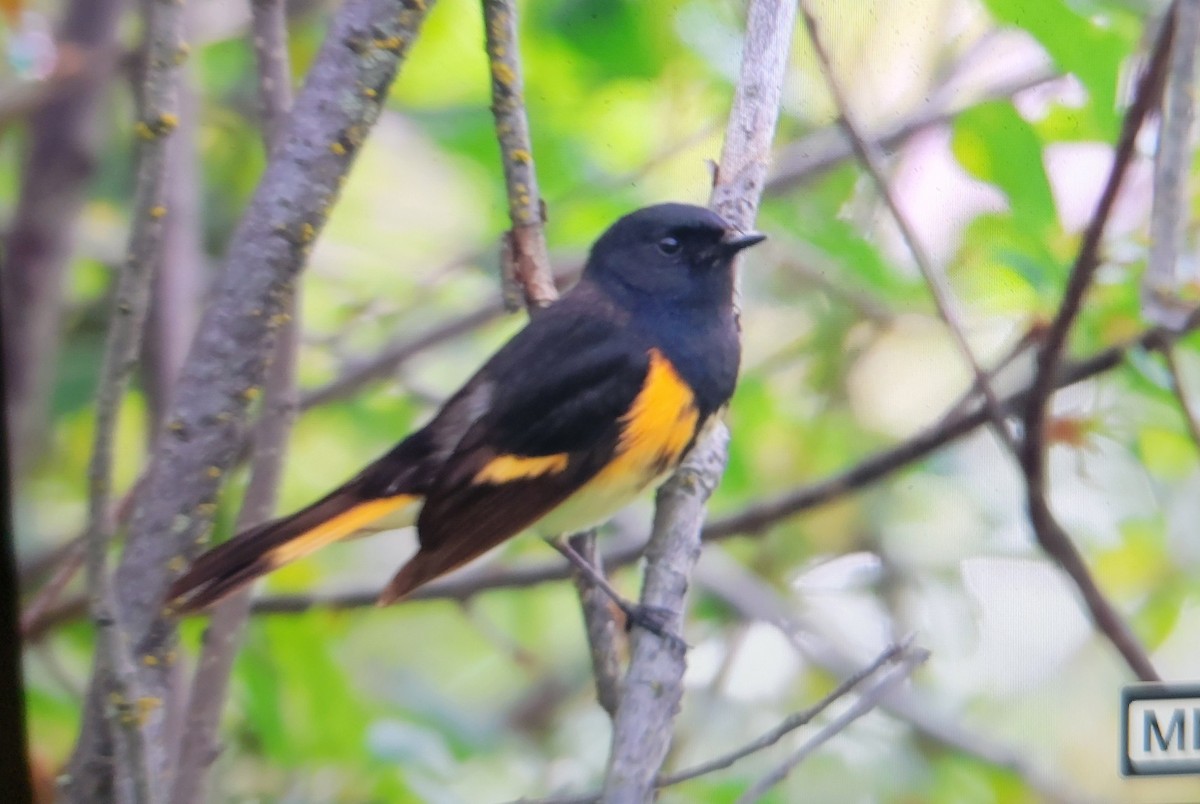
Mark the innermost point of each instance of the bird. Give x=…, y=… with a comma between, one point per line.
x=596, y=400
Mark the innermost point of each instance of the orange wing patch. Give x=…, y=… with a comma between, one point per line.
x=659, y=425
x=337, y=528
x=516, y=467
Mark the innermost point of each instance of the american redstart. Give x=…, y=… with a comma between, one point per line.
x=597, y=399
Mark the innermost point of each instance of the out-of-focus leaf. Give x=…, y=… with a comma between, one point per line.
x=995, y=144
x=1079, y=45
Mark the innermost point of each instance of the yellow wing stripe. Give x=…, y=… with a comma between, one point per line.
x=504, y=468
x=658, y=427
x=337, y=528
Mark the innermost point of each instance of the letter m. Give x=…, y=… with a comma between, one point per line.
x=1150, y=726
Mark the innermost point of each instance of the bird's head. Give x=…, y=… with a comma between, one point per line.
x=671, y=252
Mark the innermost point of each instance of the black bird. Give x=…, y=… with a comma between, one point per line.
x=597, y=399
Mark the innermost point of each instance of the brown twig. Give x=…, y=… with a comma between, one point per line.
x=1050, y=534
x=755, y=601
x=523, y=257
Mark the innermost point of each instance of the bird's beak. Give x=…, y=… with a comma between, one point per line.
x=735, y=241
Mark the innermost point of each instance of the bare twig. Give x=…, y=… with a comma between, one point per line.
x=523, y=257
x=871, y=159
x=1172, y=168
x=892, y=653
x=868, y=700
x=225, y=628
x=227, y=364
x=601, y=625
x=653, y=685
x=1187, y=405
x=754, y=600
x=392, y=356
x=1050, y=534
x=179, y=277
x=115, y=671
x=770, y=738
x=66, y=562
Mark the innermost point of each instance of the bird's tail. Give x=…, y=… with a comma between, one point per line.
x=259, y=550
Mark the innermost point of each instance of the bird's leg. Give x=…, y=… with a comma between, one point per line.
x=652, y=618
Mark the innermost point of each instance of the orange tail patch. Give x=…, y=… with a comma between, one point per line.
x=337, y=528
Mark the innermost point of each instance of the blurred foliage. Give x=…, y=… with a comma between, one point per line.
x=493, y=699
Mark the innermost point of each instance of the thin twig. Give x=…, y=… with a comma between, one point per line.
x=892, y=653
x=1050, y=534
x=601, y=625
x=1172, y=169
x=756, y=601
x=872, y=160
x=1187, y=405
x=524, y=257
x=394, y=355
x=115, y=671
x=770, y=738
x=863, y=704
x=224, y=635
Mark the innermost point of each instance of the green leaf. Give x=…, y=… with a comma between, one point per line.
x=995, y=144
x=1078, y=45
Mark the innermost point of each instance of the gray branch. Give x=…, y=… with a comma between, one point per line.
x=226, y=367
x=524, y=257
x=654, y=683
x=210, y=685
x=116, y=679
x=1172, y=168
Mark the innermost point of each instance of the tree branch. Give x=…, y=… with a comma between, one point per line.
x=227, y=364
x=600, y=624
x=653, y=686
x=891, y=654
x=1050, y=534
x=115, y=672
x=223, y=637
x=523, y=257
x=1172, y=169
x=864, y=703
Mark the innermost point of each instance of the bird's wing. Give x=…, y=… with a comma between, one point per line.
x=557, y=407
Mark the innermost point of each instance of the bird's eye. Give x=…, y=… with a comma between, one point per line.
x=669, y=245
